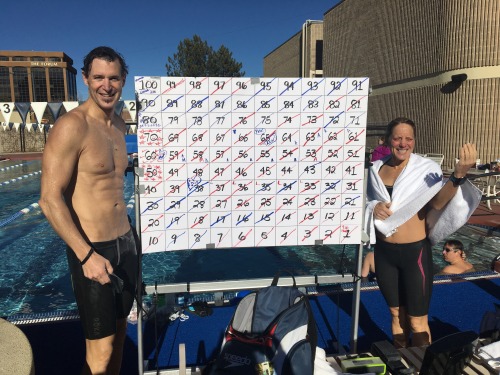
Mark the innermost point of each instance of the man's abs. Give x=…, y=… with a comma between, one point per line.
x=100, y=224
x=99, y=209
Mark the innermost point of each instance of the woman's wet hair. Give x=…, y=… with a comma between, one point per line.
x=104, y=53
x=399, y=121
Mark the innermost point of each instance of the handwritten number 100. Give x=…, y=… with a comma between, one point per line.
x=149, y=85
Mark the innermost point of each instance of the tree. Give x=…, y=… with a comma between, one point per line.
x=195, y=58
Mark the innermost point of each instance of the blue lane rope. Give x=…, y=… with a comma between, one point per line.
x=20, y=178
x=31, y=207
x=10, y=167
x=130, y=204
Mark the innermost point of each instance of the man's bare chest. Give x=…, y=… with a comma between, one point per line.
x=104, y=154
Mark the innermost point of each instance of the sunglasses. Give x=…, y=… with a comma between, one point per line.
x=447, y=249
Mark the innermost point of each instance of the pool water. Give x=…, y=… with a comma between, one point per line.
x=33, y=271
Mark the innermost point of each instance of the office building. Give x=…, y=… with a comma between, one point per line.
x=28, y=76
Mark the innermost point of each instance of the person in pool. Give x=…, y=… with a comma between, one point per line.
x=83, y=169
x=454, y=254
x=368, y=267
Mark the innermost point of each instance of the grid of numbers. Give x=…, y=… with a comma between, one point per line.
x=246, y=162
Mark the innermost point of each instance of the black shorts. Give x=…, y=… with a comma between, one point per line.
x=405, y=274
x=100, y=305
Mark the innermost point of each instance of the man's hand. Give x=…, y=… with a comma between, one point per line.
x=97, y=268
x=381, y=210
x=468, y=157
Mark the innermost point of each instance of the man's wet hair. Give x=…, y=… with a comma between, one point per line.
x=456, y=244
x=104, y=53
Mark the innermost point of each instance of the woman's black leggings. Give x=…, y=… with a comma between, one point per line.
x=405, y=275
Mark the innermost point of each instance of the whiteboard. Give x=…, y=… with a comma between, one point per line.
x=248, y=162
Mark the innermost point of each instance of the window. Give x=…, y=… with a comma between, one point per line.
x=54, y=59
x=319, y=55
x=19, y=58
x=39, y=85
x=21, y=87
x=4, y=85
x=71, y=82
x=4, y=58
x=37, y=58
x=56, y=85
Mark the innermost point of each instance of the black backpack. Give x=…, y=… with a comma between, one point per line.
x=272, y=331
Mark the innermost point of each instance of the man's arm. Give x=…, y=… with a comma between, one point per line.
x=468, y=156
x=60, y=159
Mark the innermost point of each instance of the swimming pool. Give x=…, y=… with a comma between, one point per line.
x=33, y=270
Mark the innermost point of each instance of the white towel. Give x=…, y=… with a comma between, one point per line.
x=322, y=366
x=417, y=184
x=491, y=354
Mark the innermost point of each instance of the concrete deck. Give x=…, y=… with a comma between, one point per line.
x=486, y=217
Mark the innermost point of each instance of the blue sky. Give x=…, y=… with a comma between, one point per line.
x=148, y=32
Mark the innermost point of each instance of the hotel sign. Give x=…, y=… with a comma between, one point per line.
x=45, y=63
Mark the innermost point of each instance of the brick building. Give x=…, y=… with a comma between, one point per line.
x=300, y=56
x=434, y=61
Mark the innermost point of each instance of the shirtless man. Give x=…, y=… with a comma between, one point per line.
x=82, y=197
x=454, y=253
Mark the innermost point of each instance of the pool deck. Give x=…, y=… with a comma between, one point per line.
x=58, y=345
x=482, y=216
x=58, y=348
x=21, y=156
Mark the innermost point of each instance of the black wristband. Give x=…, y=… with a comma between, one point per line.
x=456, y=180
x=87, y=257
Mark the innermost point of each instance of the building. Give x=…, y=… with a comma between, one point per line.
x=300, y=56
x=35, y=89
x=28, y=76
x=434, y=61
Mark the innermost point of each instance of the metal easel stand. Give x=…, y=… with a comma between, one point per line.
x=138, y=172
x=357, y=281
x=229, y=285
